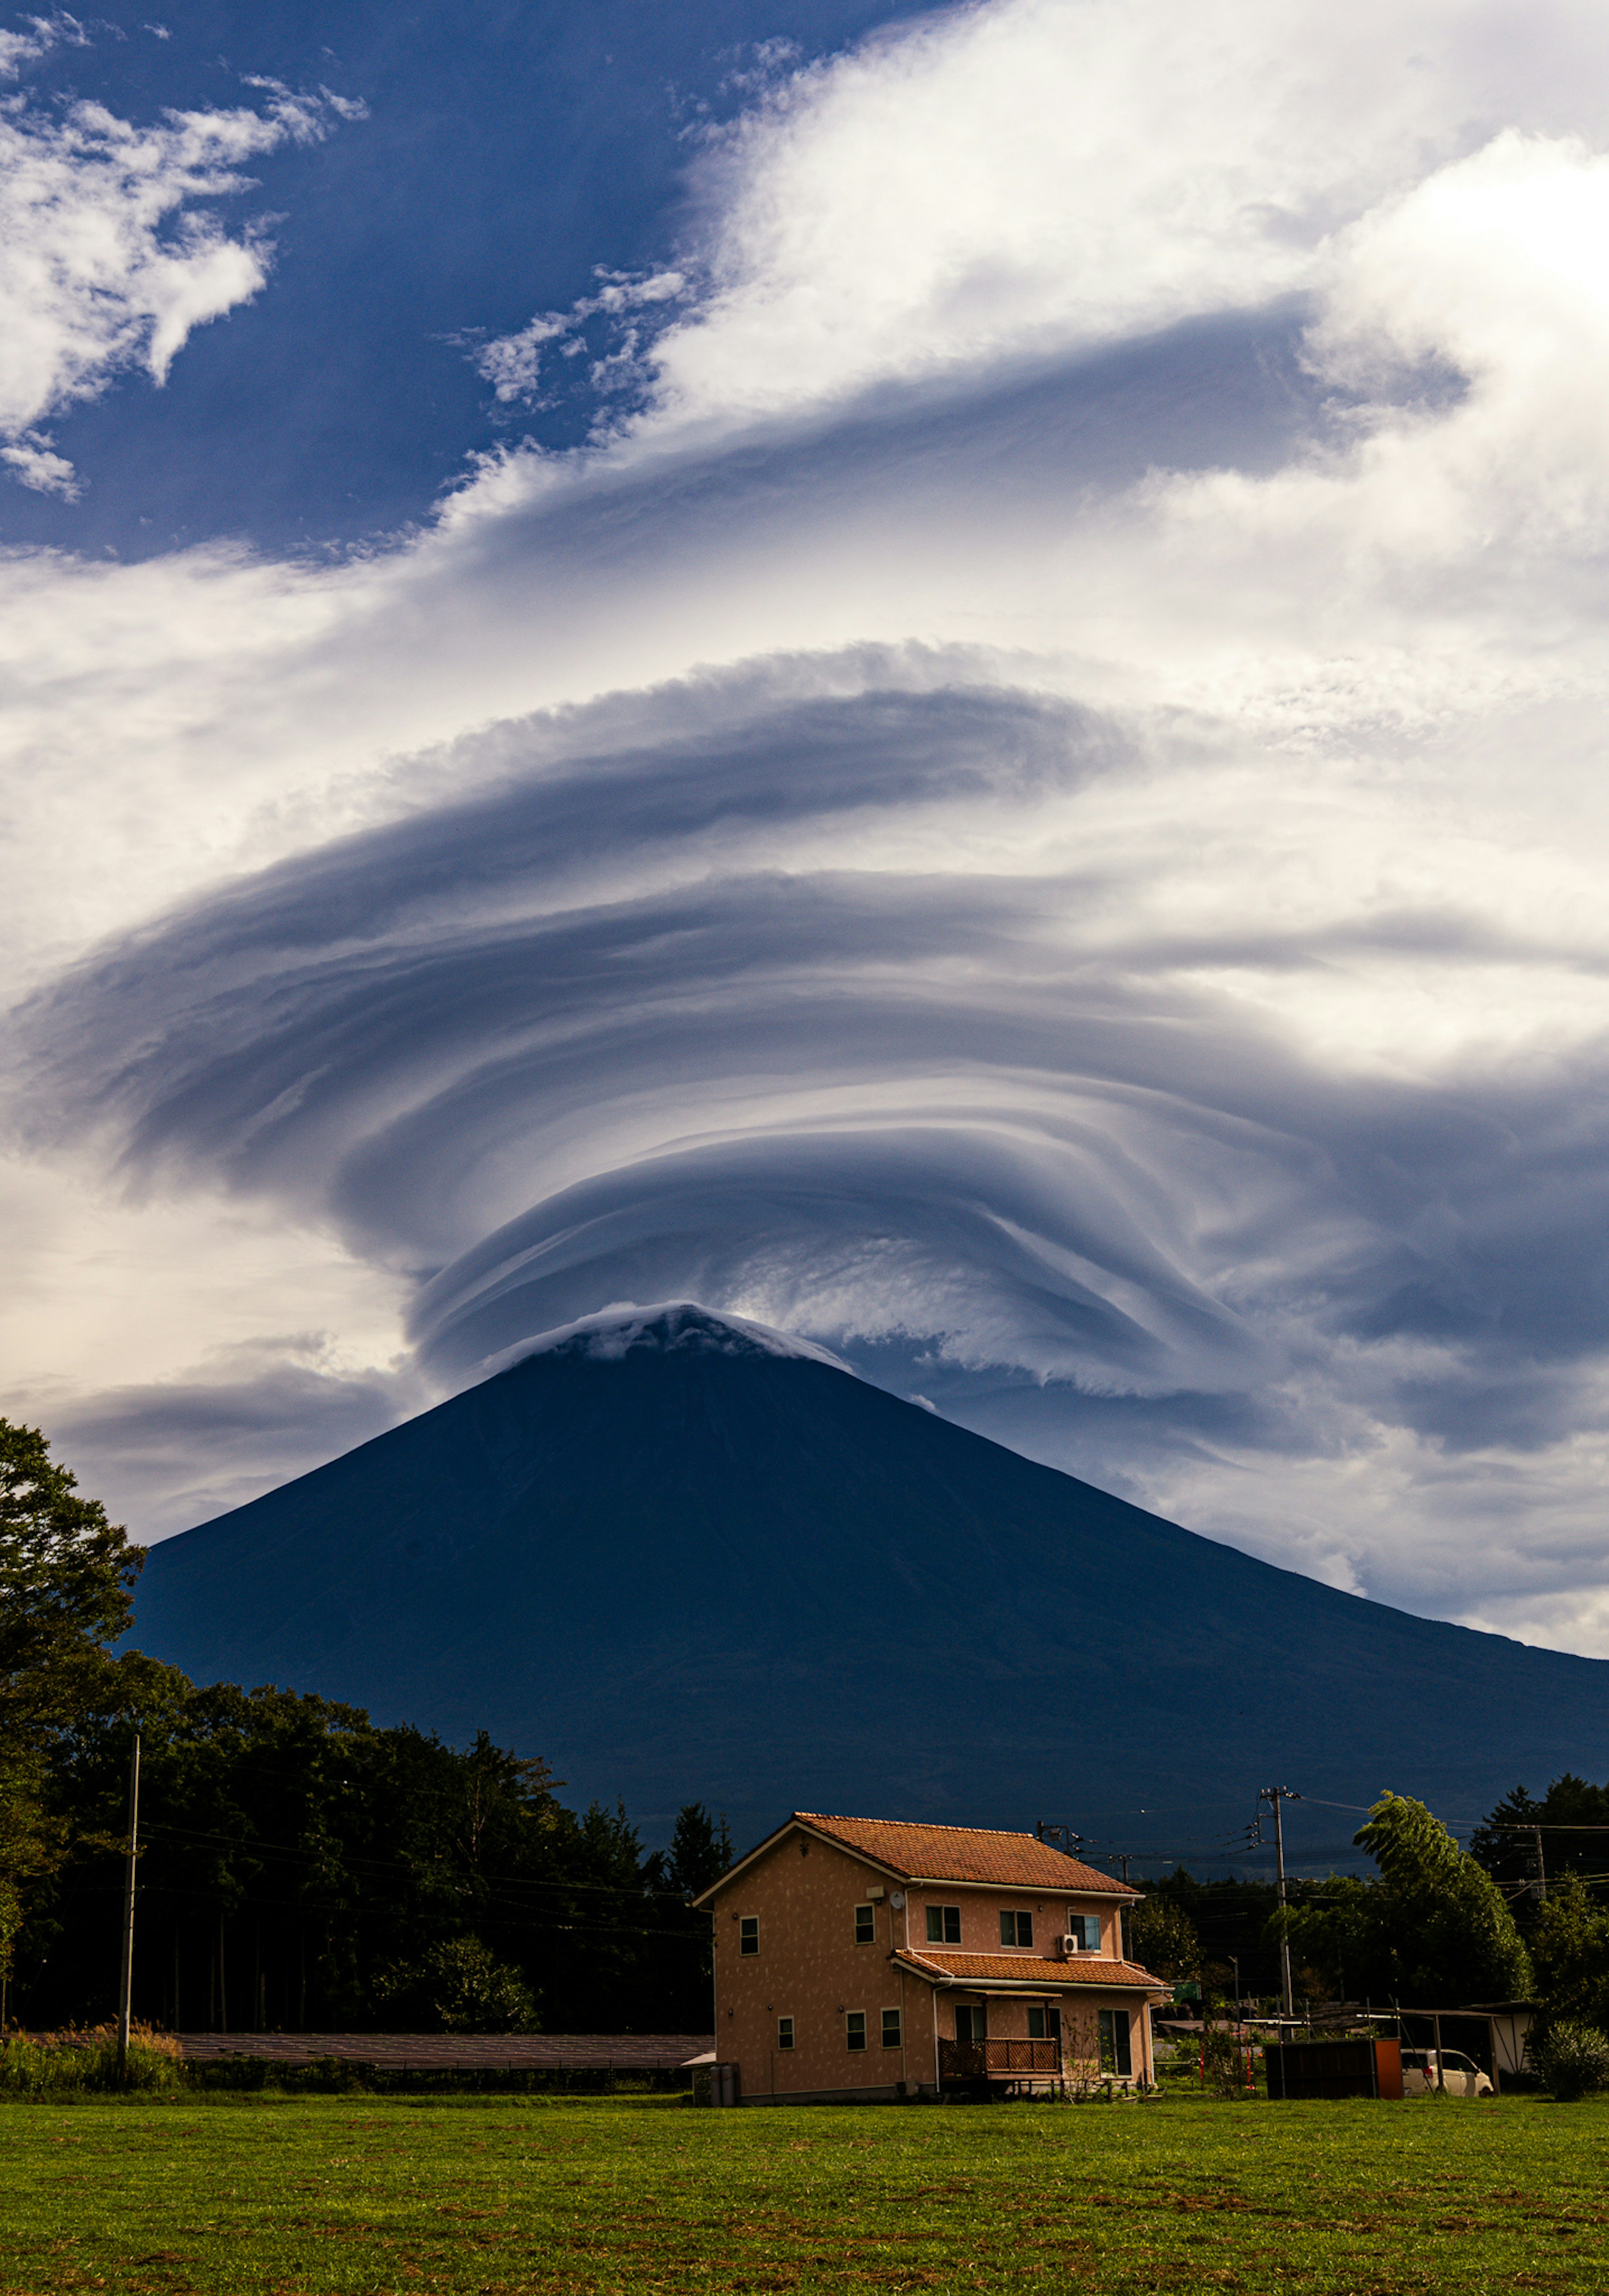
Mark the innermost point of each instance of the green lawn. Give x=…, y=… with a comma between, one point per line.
x=277, y=2196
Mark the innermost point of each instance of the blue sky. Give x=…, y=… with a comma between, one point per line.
x=505, y=152
x=935, y=677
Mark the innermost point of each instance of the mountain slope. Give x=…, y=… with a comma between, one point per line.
x=680, y=1558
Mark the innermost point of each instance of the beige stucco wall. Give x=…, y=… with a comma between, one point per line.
x=810, y=1968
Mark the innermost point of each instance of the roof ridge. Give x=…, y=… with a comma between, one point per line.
x=924, y=1826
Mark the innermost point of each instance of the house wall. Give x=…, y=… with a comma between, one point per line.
x=804, y=1892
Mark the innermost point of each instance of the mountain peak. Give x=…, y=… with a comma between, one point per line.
x=667, y=1327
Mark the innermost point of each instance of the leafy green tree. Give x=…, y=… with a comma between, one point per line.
x=460, y=1986
x=1229, y=1916
x=1431, y=1930
x=1163, y=1938
x=65, y=1576
x=294, y=1855
x=65, y=1579
x=1570, y=1949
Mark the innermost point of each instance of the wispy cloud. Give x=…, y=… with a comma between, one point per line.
x=108, y=261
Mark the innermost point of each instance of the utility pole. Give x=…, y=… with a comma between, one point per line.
x=126, y=1986
x=1541, y=1867
x=1277, y=1794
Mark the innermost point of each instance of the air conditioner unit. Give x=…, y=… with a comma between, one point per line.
x=1070, y=1946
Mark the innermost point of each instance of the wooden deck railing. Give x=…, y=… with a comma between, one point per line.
x=961, y=2061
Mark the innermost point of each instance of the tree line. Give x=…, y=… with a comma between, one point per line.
x=300, y=1868
x=1522, y=1914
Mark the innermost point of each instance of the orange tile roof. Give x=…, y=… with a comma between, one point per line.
x=1026, y=1969
x=961, y=1853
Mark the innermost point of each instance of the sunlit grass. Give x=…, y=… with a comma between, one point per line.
x=283, y=2196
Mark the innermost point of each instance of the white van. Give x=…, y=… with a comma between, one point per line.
x=1460, y=2075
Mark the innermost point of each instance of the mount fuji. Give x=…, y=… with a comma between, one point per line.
x=683, y=1556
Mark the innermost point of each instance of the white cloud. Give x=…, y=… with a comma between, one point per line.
x=1035, y=176
x=38, y=466
x=43, y=33
x=106, y=262
x=1075, y=871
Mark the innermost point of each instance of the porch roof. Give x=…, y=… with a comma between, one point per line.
x=1021, y=1973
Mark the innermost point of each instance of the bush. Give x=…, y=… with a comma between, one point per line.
x=80, y=2058
x=1573, y=2059
x=459, y=1986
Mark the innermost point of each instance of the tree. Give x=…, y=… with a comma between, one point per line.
x=1163, y=1938
x=699, y=1851
x=1569, y=1825
x=1570, y=1949
x=1433, y=1930
x=460, y=1986
x=65, y=1576
x=65, y=1579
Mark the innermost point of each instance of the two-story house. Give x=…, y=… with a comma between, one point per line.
x=859, y=1958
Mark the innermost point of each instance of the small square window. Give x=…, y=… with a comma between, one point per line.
x=1016, y=1929
x=854, y=2029
x=748, y=1933
x=1036, y=2025
x=891, y=2028
x=865, y=1925
x=944, y=1925
x=1086, y=1930
x=784, y=2032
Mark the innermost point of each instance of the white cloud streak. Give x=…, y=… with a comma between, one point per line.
x=106, y=260
x=1032, y=809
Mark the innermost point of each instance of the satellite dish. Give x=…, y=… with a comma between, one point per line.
x=896, y=1901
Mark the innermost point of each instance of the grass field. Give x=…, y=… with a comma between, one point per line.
x=275, y=2197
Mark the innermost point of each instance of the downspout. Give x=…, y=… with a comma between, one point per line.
x=904, y=1923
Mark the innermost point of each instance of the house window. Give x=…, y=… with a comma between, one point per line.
x=784, y=2032
x=1085, y=1929
x=1114, y=2042
x=944, y=1925
x=891, y=2028
x=854, y=2029
x=972, y=2024
x=748, y=1933
x=865, y=1925
x=1038, y=2028
x=1016, y=1929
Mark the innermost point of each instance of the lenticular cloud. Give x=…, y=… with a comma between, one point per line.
x=1030, y=811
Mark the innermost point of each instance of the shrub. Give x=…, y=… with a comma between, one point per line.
x=459, y=1986
x=85, y=2058
x=1573, y=2059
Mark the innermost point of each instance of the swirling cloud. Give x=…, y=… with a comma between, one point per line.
x=1027, y=813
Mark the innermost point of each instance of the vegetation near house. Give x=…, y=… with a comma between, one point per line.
x=1432, y=1929
x=1163, y=1938
x=1570, y=1949
x=1572, y=2059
